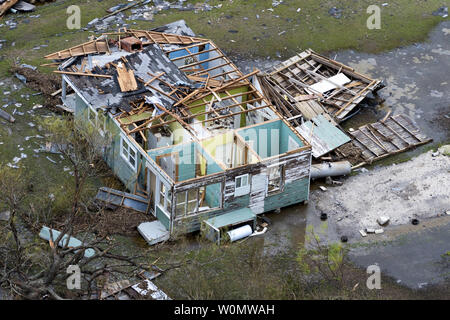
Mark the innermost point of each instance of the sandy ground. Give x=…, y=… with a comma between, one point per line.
x=414, y=189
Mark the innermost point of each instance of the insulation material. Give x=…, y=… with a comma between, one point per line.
x=331, y=83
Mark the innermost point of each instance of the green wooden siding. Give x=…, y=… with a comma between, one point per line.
x=292, y=193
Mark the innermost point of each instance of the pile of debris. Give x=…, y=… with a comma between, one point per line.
x=15, y=6
x=316, y=94
x=48, y=84
x=143, y=10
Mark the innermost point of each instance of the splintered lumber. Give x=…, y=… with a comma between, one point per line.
x=208, y=81
x=126, y=79
x=114, y=288
x=123, y=9
x=5, y=6
x=83, y=74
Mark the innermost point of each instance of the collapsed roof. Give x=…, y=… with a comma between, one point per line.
x=309, y=84
x=151, y=79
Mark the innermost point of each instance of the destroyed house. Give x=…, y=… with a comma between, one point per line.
x=192, y=139
x=309, y=84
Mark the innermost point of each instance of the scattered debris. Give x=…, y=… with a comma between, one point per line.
x=113, y=288
x=335, y=12
x=382, y=220
x=52, y=235
x=148, y=289
x=323, y=188
x=45, y=83
x=442, y=11
x=5, y=115
x=363, y=233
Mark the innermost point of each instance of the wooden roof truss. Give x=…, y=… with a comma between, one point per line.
x=293, y=79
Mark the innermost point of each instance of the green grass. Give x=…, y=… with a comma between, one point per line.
x=403, y=22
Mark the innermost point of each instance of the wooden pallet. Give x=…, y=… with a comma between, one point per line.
x=383, y=138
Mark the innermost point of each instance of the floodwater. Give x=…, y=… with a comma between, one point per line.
x=417, y=85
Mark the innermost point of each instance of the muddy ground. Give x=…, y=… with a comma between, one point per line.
x=417, y=85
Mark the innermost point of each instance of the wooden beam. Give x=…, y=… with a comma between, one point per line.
x=83, y=74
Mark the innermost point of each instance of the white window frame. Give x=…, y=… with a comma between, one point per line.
x=91, y=110
x=126, y=156
x=243, y=189
x=101, y=127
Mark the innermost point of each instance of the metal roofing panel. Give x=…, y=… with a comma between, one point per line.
x=231, y=218
x=325, y=136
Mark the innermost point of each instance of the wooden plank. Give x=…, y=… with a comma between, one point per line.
x=5, y=6
x=126, y=79
x=83, y=74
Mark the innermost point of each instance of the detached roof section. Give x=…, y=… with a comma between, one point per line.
x=310, y=84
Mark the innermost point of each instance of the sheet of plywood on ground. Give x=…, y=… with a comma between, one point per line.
x=395, y=134
x=126, y=79
x=95, y=46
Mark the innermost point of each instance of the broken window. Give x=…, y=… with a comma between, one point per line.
x=128, y=152
x=187, y=202
x=275, y=179
x=197, y=200
x=241, y=185
x=165, y=197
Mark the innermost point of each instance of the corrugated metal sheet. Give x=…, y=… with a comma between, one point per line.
x=324, y=138
x=232, y=218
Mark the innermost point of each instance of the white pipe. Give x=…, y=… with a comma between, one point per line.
x=257, y=233
x=240, y=233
